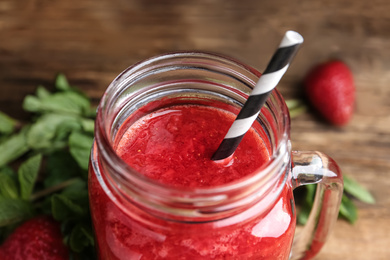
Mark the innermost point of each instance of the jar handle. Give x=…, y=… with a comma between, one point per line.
x=309, y=167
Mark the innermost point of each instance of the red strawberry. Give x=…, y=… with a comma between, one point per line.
x=331, y=90
x=38, y=238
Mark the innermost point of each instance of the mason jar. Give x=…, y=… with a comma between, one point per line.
x=136, y=217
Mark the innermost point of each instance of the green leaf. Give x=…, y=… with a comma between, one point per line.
x=77, y=191
x=355, y=189
x=66, y=127
x=63, y=208
x=91, y=113
x=80, y=148
x=293, y=103
x=88, y=125
x=61, y=82
x=60, y=167
x=31, y=103
x=7, y=124
x=80, y=238
x=305, y=210
x=310, y=192
x=42, y=134
x=348, y=210
x=8, y=185
x=61, y=102
x=13, y=147
x=303, y=215
x=14, y=210
x=296, y=107
x=27, y=174
x=42, y=92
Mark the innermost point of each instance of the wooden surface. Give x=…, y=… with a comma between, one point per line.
x=94, y=40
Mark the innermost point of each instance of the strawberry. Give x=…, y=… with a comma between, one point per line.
x=38, y=238
x=331, y=90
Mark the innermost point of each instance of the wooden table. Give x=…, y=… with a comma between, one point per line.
x=92, y=41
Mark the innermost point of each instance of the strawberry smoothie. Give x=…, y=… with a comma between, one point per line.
x=173, y=146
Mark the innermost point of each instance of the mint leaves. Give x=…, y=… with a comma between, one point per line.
x=15, y=190
x=14, y=210
x=28, y=174
x=12, y=147
x=7, y=124
x=296, y=107
x=44, y=163
x=80, y=147
x=348, y=210
x=354, y=189
x=8, y=184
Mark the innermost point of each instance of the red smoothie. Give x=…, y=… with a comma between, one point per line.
x=174, y=146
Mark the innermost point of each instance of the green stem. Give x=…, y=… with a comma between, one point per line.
x=52, y=189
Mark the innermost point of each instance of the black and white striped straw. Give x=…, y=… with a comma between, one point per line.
x=267, y=82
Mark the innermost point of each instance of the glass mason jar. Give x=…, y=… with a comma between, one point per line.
x=135, y=217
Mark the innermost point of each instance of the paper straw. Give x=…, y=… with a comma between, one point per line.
x=267, y=82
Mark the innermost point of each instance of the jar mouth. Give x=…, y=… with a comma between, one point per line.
x=132, y=183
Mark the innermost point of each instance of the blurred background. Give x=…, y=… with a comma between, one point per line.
x=92, y=41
